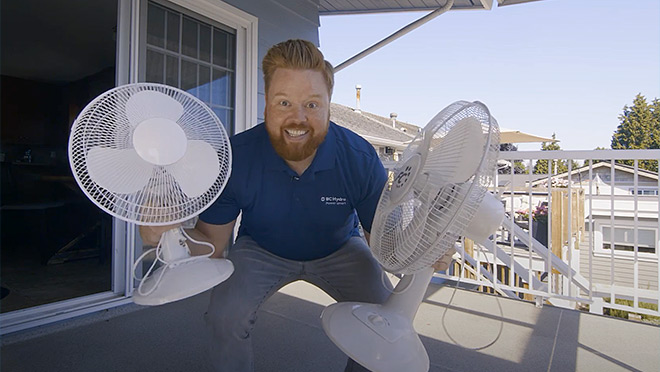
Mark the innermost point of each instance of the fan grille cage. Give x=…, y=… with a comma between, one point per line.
x=104, y=123
x=413, y=234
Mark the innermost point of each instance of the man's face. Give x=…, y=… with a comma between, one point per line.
x=297, y=112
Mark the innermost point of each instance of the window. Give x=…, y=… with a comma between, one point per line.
x=644, y=191
x=195, y=56
x=624, y=239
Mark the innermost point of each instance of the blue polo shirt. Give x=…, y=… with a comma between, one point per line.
x=300, y=217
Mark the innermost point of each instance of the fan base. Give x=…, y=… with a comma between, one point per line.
x=382, y=341
x=183, y=280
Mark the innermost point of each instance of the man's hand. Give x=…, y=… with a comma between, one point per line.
x=151, y=234
x=443, y=263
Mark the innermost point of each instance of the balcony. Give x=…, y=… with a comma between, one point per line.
x=557, y=293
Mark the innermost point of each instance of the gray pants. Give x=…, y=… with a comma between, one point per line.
x=350, y=274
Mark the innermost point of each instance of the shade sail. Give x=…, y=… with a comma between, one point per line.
x=516, y=136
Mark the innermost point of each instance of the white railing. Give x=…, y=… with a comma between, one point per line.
x=569, y=261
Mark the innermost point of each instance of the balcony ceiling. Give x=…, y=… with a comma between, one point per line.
x=336, y=7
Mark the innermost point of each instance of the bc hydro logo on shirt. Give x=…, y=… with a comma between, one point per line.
x=333, y=200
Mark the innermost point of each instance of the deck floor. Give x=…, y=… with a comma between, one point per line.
x=475, y=332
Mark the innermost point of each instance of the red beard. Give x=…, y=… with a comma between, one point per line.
x=295, y=151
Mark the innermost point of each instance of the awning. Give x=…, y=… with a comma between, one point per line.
x=337, y=7
x=437, y=7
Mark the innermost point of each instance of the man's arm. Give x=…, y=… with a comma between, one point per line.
x=443, y=263
x=218, y=235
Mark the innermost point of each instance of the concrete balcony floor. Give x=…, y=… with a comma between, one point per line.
x=288, y=337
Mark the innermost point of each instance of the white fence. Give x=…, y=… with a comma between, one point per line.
x=599, y=246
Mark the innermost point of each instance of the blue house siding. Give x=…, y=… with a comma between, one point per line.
x=280, y=20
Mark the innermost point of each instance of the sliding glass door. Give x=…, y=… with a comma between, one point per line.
x=56, y=57
x=60, y=255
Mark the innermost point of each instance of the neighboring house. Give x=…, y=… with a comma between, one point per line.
x=602, y=173
x=614, y=208
x=615, y=212
x=388, y=138
x=408, y=128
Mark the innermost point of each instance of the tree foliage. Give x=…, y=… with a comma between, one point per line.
x=639, y=128
x=594, y=161
x=555, y=166
x=518, y=165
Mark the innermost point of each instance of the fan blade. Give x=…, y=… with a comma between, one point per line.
x=118, y=171
x=148, y=104
x=197, y=171
x=460, y=152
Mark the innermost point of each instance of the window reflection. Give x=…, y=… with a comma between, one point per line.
x=205, y=65
x=219, y=88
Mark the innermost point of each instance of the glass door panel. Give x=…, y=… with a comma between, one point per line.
x=55, y=243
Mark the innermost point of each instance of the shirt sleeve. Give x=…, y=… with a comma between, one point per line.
x=376, y=177
x=225, y=209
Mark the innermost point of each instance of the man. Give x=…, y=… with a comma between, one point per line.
x=302, y=184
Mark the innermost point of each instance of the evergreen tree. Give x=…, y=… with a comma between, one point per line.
x=655, y=109
x=555, y=166
x=639, y=129
x=594, y=161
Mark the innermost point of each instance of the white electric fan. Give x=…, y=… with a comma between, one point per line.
x=438, y=194
x=152, y=154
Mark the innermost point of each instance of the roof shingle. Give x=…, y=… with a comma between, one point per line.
x=367, y=124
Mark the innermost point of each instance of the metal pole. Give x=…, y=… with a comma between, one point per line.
x=394, y=36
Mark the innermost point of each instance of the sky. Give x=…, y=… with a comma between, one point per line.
x=566, y=67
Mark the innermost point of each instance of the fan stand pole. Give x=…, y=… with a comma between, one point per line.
x=409, y=293
x=173, y=245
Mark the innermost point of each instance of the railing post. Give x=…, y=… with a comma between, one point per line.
x=596, y=307
x=539, y=301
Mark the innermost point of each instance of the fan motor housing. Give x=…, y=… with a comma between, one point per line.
x=160, y=141
x=404, y=178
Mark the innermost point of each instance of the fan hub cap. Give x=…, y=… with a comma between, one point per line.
x=160, y=141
